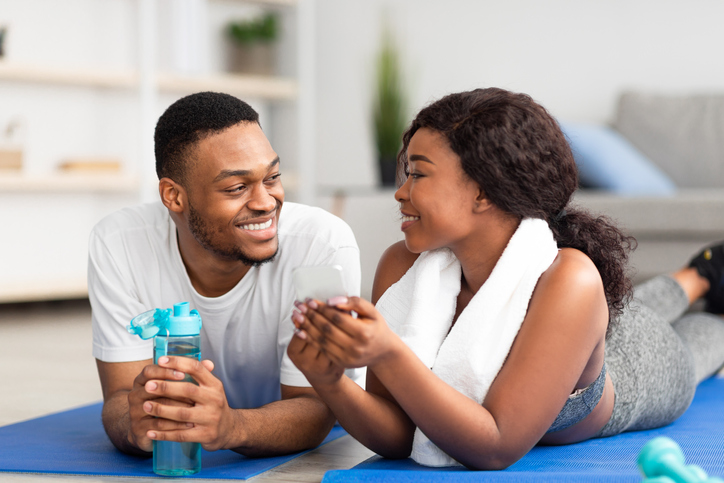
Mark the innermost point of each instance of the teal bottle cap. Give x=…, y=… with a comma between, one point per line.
x=180, y=322
x=184, y=322
x=149, y=324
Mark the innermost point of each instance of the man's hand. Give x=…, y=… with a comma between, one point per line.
x=186, y=412
x=140, y=421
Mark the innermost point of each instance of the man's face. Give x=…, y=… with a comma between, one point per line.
x=235, y=195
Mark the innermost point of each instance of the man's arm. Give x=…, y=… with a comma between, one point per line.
x=117, y=382
x=145, y=402
x=299, y=421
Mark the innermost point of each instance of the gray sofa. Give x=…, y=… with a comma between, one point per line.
x=684, y=137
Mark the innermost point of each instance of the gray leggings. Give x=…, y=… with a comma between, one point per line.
x=656, y=356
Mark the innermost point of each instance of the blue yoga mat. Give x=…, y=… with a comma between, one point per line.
x=73, y=442
x=699, y=432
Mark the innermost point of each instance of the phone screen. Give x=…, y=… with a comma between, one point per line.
x=319, y=282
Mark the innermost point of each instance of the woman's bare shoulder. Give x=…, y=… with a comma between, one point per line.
x=573, y=282
x=575, y=269
x=393, y=264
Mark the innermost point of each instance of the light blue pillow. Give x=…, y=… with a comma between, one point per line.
x=607, y=161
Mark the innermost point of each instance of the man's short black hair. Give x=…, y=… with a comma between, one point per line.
x=189, y=120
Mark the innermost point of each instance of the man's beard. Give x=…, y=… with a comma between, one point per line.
x=202, y=233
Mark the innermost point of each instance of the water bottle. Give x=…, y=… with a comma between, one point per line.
x=174, y=334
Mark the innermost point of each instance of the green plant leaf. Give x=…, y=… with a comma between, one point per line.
x=261, y=29
x=390, y=103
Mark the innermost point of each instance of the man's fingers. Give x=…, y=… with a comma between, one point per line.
x=181, y=391
x=160, y=424
x=153, y=371
x=186, y=365
x=181, y=435
x=180, y=415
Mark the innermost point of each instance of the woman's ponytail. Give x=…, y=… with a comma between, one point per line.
x=605, y=245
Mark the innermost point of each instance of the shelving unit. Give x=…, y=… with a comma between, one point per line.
x=68, y=183
x=47, y=215
x=264, y=87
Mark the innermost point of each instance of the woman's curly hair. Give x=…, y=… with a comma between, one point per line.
x=514, y=149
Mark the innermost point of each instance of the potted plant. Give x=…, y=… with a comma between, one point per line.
x=388, y=109
x=253, y=44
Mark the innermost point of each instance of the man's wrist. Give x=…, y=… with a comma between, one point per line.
x=238, y=436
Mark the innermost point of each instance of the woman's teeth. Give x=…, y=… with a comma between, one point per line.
x=410, y=218
x=257, y=226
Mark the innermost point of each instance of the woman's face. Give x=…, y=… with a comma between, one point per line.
x=438, y=199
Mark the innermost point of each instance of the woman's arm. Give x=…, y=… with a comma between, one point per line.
x=565, y=323
x=372, y=416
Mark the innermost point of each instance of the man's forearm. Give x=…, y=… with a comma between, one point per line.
x=117, y=423
x=282, y=427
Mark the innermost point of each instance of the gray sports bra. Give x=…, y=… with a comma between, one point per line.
x=580, y=404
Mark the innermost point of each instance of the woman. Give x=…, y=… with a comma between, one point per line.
x=502, y=320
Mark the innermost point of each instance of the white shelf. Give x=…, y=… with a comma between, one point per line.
x=280, y=3
x=266, y=87
x=67, y=182
x=43, y=289
x=66, y=76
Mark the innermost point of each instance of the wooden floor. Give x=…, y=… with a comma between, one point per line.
x=46, y=366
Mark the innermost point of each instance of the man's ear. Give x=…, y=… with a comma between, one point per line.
x=173, y=195
x=482, y=203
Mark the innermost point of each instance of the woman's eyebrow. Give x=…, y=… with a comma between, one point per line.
x=420, y=157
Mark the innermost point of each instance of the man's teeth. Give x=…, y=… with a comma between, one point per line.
x=410, y=218
x=257, y=226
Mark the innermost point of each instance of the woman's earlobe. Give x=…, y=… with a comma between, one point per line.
x=482, y=203
x=172, y=194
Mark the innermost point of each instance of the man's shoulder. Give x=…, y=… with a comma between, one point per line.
x=303, y=221
x=133, y=218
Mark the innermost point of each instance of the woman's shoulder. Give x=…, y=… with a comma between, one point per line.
x=574, y=284
x=573, y=271
x=393, y=264
x=573, y=267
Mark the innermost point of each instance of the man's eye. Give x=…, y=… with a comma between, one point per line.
x=236, y=189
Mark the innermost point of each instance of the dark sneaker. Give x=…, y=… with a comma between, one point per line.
x=710, y=265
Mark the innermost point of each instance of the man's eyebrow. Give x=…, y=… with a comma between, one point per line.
x=420, y=157
x=228, y=173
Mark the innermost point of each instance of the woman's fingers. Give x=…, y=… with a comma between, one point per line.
x=322, y=332
x=362, y=307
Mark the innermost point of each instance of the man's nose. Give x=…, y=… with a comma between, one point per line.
x=261, y=199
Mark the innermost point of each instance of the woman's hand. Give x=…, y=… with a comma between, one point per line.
x=314, y=364
x=345, y=340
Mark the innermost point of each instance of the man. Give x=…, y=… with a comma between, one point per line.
x=219, y=240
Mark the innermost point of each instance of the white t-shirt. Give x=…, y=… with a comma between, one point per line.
x=135, y=265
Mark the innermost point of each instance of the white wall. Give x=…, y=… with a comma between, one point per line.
x=573, y=56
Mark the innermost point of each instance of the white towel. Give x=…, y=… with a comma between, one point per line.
x=421, y=305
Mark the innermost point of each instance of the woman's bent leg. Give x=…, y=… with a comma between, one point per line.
x=651, y=367
x=703, y=334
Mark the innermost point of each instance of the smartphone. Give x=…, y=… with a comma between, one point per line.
x=321, y=282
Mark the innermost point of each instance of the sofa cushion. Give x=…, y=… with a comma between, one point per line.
x=683, y=135
x=606, y=160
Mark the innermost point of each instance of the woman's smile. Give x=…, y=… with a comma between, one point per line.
x=407, y=221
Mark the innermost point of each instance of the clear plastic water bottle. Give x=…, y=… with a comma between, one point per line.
x=174, y=334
